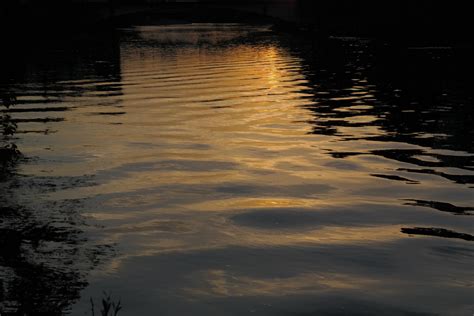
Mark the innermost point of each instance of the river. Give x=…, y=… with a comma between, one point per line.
x=223, y=169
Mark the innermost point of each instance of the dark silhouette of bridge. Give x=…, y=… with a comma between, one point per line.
x=420, y=20
x=94, y=11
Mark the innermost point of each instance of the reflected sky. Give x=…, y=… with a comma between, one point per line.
x=240, y=172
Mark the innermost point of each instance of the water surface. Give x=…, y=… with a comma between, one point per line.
x=225, y=170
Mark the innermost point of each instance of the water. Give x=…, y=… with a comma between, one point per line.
x=226, y=170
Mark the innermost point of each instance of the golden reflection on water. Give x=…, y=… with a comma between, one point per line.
x=220, y=130
x=200, y=130
x=221, y=284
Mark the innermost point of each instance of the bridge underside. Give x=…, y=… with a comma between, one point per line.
x=393, y=18
x=256, y=12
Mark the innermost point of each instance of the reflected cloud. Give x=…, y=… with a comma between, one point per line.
x=224, y=284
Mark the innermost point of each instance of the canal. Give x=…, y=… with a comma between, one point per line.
x=224, y=169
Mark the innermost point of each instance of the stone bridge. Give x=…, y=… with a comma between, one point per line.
x=419, y=20
x=287, y=11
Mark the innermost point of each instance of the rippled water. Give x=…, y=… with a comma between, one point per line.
x=225, y=170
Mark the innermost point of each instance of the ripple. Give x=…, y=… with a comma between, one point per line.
x=222, y=160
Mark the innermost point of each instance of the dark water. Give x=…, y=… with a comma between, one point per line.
x=226, y=170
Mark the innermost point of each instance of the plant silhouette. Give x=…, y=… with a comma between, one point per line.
x=109, y=306
x=9, y=152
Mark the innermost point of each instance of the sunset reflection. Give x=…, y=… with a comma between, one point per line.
x=228, y=165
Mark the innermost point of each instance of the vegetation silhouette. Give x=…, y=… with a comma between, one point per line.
x=9, y=152
x=109, y=307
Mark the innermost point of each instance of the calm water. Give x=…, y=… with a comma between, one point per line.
x=226, y=170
